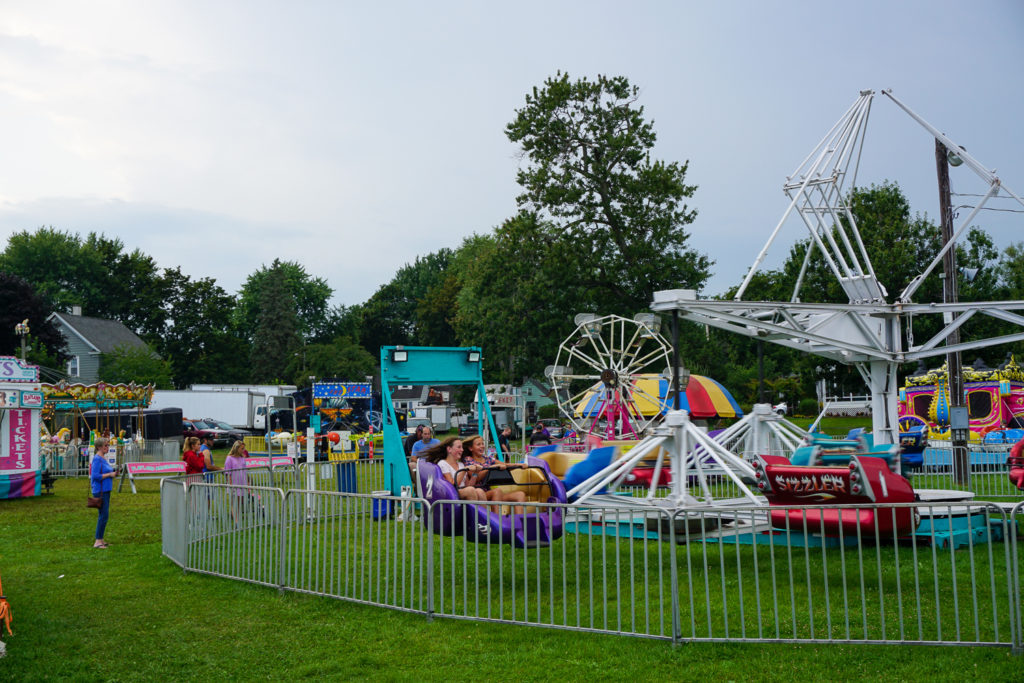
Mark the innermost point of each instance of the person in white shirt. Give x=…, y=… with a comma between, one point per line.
x=447, y=456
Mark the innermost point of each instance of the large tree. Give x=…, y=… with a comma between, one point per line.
x=276, y=339
x=139, y=364
x=309, y=294
x=200, y=341
x=95, y=273
x=391, y=315
x=587, y=170
x=23, y=304
x=342, y=359
x=517, y=297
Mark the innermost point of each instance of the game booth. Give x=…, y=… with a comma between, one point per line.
x=21, y=407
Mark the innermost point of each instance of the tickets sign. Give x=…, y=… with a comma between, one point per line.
x=18, y=454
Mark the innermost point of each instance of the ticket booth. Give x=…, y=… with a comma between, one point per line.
x=21, y=409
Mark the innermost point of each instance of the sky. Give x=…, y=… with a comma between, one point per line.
x=354, y=137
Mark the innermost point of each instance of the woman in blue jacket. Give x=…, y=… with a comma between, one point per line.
x=101, y=476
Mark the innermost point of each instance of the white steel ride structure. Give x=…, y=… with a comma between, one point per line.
x=606, y=374
x=869, y=333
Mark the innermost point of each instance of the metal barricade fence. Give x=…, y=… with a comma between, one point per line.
x=988, y=472
x=605, y=582
x=345, y=476
x=64, y=460
x=250, y=476
x=357, y=547
x=792, y=585
x=234, y=531
x=172, y=521
x=718, y=574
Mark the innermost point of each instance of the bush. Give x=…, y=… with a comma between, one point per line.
x=808, y=406
x=550, y=410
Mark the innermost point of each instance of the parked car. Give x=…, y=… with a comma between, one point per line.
x=199, y=428
x=469, y=427
x=413, y=422
x=234, y=433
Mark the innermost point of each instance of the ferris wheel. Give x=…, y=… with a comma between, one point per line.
x=607, y=375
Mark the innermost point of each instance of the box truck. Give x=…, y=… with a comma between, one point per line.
x=240, y=409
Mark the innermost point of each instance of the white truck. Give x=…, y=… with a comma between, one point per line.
x=240, y=409
x=265, y=389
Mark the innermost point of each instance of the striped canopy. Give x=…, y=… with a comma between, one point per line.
x=704, y=398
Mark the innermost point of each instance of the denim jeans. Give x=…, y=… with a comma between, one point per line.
x=101, y=523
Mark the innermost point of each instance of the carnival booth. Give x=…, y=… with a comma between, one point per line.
x=21, y=407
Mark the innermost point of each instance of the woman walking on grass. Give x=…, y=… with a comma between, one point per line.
x=101, y=478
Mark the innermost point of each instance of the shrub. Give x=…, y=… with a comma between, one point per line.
x=808, y=406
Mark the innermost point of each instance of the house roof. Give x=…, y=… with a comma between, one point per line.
x=417, y=393
x=102, y=335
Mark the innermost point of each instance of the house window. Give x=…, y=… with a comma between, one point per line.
x=73, y=367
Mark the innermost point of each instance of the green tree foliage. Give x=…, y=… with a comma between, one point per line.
x=53, y=262
x=21, y=303
x=340, y=321
x=95, y=273
x=391, y=315
x=587, y=170
x=137, y=364
x=276, y=337
x=901, y=246
x=516, y=301
x=200, y=342
x=342, y=359
x=309, y=294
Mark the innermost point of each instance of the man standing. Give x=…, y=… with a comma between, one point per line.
x=503, y=445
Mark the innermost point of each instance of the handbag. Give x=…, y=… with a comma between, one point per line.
x=93, y=502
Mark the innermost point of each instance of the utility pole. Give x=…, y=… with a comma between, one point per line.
x=961, y=461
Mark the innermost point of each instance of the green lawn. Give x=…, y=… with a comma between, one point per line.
x=127, y=613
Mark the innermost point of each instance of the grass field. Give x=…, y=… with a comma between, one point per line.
x=127, y=613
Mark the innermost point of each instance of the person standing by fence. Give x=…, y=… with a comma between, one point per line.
x=101, y=479
x=194, y=461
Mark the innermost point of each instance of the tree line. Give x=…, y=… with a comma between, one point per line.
x=600, y=226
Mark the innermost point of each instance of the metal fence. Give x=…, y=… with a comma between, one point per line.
x=987, y=477
x=720, y=574
x=70, y=460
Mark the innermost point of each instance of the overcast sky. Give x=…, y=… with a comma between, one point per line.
x=352, y=137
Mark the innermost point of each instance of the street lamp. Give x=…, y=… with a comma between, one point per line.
x=21, y=329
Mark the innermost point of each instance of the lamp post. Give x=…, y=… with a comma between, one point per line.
x=21, y=329
x=943, y=158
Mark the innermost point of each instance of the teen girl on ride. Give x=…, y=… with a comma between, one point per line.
x=447, y=455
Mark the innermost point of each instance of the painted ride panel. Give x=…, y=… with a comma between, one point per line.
x=482, y=523
x=860, y=479
x=994, y=398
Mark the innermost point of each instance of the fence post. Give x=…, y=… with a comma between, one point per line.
x=677, y=628
x=282, y=530
x=1015, y=597
x=426, y=509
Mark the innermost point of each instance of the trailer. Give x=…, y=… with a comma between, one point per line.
x=240, y=409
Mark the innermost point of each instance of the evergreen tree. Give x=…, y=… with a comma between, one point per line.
x=276, y=337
